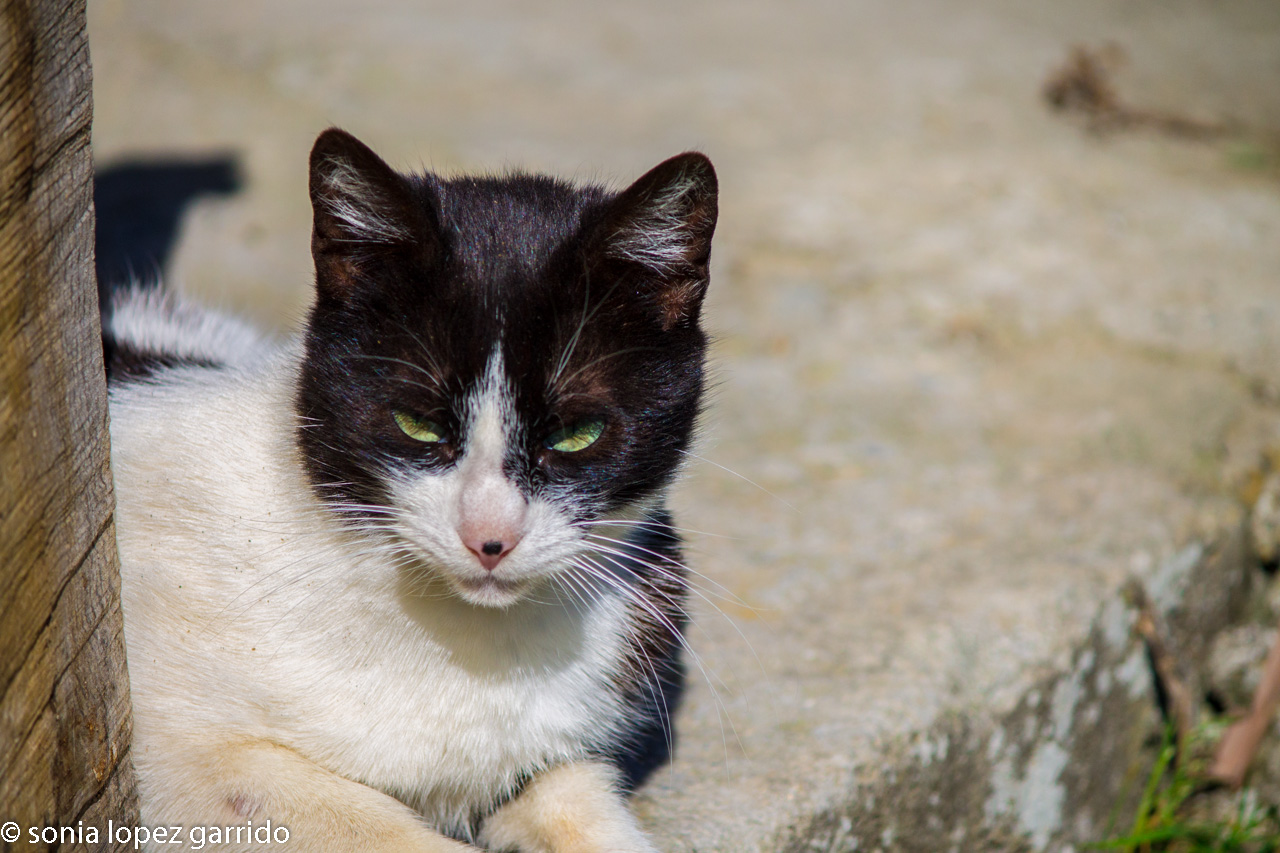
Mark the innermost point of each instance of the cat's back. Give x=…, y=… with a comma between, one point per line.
x=191, y=391
x=212, y=517
x=200, y=443
x=184, y=437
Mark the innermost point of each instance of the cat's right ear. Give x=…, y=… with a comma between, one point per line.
x=362, y=209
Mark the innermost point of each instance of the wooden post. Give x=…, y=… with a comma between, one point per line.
x=64, y=695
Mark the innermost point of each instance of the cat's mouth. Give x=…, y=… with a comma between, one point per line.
x=490, y=591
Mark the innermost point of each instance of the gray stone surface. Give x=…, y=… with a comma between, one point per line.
x=975, y=367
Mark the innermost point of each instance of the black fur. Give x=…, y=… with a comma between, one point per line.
x=519, y=263
x=655, y=672
x=126, y=362
x=409, y=310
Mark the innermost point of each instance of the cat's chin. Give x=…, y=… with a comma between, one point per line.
x=489, y=591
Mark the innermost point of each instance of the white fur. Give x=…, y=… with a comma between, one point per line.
x=571, y=808
x=660, y=237
x=358, y=206
x=286, y=666
x=153, y=319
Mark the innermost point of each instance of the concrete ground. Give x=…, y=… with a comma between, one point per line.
x=975, y=365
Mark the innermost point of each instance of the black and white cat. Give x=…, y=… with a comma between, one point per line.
x=408, y=583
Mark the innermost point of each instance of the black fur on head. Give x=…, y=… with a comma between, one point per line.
x=592, y=298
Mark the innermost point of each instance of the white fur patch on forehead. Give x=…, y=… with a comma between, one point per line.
x=359, y=205
x=491, y=421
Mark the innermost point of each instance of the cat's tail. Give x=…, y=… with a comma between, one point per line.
x=146, y=329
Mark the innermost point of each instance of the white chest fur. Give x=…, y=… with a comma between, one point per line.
x=251, y=612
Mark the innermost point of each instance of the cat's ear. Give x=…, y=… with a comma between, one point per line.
x=663, y=224
x=361, y=209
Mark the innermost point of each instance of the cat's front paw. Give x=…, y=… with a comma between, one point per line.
x=570, y=809
x=564, y=839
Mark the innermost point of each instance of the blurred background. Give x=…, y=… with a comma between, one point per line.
x=996, y=300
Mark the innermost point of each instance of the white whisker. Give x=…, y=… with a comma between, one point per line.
x=744, y=479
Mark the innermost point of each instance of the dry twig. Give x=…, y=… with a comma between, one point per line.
x=1239, y=745
x=1083, y=85
x=1178, y=701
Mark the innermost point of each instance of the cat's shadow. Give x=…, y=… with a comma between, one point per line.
x=139, y=205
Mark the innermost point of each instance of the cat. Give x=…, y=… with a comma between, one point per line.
x=408, y=582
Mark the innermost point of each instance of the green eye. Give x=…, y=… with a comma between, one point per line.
x=576, y=436
x=419, y=429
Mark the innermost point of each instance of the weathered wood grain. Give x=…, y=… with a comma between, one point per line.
x=64, y=700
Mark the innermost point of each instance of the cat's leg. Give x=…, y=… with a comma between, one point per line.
x=234, y=784
x=574, y=808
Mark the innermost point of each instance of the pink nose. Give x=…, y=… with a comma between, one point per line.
x=490, y=551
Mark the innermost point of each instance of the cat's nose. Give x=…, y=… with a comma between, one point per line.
x=490, y=551
x=491, y=517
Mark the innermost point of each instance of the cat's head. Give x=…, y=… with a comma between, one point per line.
x=497, y=365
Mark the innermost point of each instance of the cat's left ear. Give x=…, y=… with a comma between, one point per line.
x=663, y=224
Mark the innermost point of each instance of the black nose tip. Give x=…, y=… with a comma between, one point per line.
x=491, y=548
